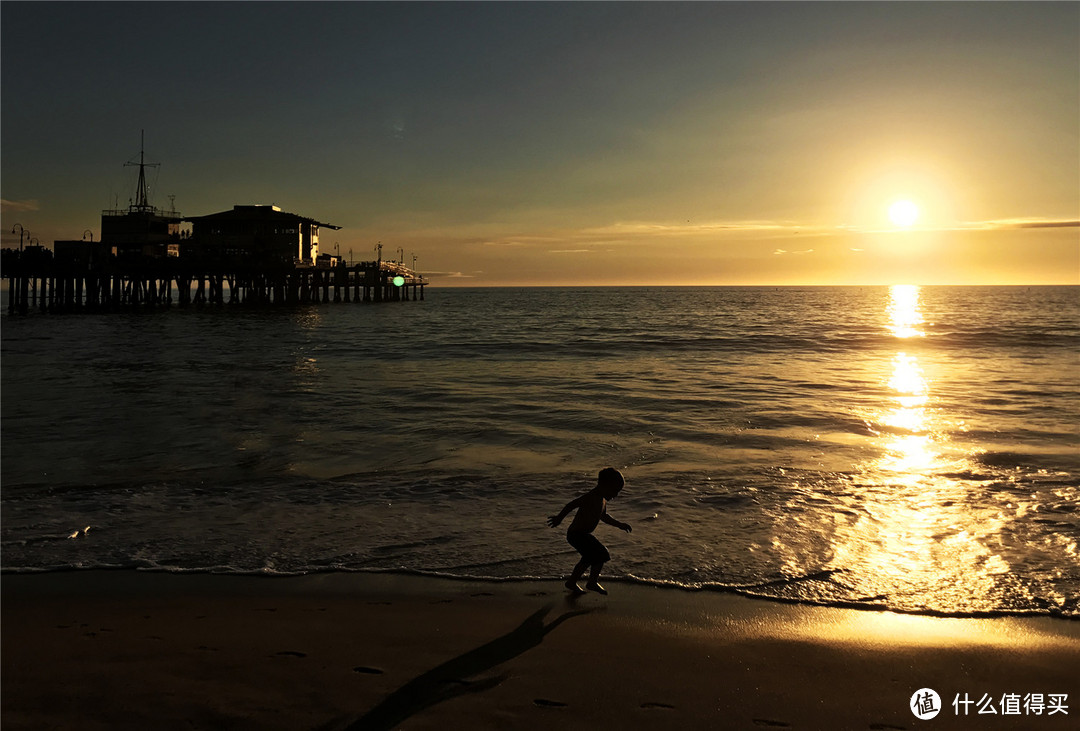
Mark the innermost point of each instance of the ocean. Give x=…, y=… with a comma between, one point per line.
x=907, y=448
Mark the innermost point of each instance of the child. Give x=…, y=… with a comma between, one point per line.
x=591, y=509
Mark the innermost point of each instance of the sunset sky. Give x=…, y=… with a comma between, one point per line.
x=580, y=143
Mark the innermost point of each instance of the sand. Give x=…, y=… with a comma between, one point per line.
x=137, y=650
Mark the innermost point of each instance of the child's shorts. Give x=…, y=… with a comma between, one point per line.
x=591, y=549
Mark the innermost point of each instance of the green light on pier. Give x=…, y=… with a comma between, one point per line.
x=399, y=281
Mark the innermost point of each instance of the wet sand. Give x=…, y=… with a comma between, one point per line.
x=131, y=650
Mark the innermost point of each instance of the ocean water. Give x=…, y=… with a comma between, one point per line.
x=904, y=448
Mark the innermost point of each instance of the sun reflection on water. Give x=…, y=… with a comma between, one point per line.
x=905, y=315
x=911, y=449
x=919, y=530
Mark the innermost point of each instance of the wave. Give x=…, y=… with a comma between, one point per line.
x=1069, y=611
x=824, y=343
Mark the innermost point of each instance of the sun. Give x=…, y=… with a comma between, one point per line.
x=903, y=213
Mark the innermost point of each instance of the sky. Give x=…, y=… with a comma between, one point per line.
x=607, y=143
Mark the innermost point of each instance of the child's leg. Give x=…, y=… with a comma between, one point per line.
x=576, y=575
x=594, y=579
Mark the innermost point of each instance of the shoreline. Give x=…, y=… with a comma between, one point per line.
x=137, y=649
x=366, y=576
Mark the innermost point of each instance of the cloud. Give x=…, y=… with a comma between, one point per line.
x=647, y=228
x=448, y=275
x=781, y=252
x=523, y=240
x=1005, y=224
x=574, y=240
x=7, y=206
x=1046, y=224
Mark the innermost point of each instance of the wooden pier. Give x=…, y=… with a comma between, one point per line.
x=38, y=281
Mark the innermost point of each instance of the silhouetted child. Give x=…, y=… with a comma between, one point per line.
x=591, y=509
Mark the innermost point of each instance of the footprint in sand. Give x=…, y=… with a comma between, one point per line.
x=771, y=723
x=887, y=727
x=665, y=706
x=366, y=670
x=545, y=703
x=291, y=653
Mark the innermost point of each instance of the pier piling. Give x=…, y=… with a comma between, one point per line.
x=38, y=281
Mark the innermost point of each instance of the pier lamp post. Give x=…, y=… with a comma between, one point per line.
x=414, y=263
x=88, y=231
x=22, y=231
x=401, y=256
x=31, y=242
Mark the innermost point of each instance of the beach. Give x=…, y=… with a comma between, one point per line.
x=140, y=650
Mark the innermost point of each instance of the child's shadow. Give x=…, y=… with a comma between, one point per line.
x=451, y=678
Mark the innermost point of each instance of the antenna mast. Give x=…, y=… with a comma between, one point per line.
x=142, y=204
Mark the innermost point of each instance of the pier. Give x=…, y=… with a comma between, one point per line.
x=254, y=255
x=40, y=281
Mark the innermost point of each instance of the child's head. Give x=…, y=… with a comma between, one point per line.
x=610, y=481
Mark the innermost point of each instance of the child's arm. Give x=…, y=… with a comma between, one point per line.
x=554, y=520
x=617, y=523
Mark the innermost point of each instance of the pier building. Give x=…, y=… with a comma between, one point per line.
x=141, y=229
x=249, y=255
x=262, y=233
